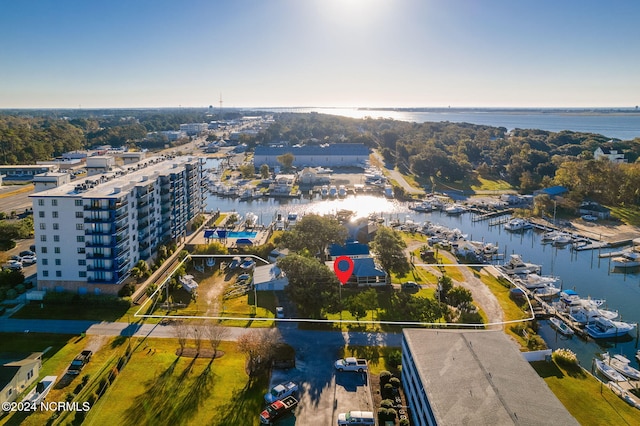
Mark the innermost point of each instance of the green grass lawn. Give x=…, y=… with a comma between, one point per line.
x=590, y=402
x=157, y=387
x=628, y=215
x=74, y=311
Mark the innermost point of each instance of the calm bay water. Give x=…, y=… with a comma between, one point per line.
x=619, y=125
x=583, y=271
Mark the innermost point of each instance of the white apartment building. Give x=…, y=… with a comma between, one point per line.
x=194, y=128
x=91, y=232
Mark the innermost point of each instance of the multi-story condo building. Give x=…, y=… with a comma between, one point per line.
x=91, y=232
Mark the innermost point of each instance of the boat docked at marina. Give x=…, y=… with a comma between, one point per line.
x=608, y=371
x=517, y=266
x=534, y=281
x=518, y=224
x=561, y=326
x=562, y=239
x=603, y=328
x=547, y=291
x=622, y=365
x=628, y=259
x=454, y=209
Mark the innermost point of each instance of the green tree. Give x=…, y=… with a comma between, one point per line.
x=312, y=286
x=314, y=233
x=388, y=246
x=264, y=171
x=286, y=160
x=247, y=171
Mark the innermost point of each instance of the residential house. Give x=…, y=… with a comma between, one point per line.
x=610, y=154
x=17, y=373
x=594, y=209
x=269, y=278
x=366, y=273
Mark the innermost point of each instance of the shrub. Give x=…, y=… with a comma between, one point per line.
x=395, y=382
x=404, y=422
x=11, y=294
x=387, y=390
x=384, y=377
x=564, y=357
x=394, y=358
x=127, y=290
x=20, y=288
x=386, y=403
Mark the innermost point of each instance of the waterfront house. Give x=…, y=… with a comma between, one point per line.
x=353, y=249
x=610, y=154
x=594, y=209
x=17, y=372
x=366, y=273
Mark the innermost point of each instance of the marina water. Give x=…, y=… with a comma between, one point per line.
x=582, y=271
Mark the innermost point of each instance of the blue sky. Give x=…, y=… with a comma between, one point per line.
x=402, y=53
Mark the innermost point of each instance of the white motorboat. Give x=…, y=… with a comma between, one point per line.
x=333, y=191
x=561, y=239
x=534, y=281
x=517, y=266
x=324, y=191
x=547, y=291
x=589, y=311
x=603, y=328
x=621, y=364
x=517, y=224
x=561, y=326
x=608, y=371
x=490, y=249
x=454, y=209
x=39, y=393
x=342, y=191
x=629, y=259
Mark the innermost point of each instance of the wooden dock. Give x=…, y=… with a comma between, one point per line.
x=490, y=215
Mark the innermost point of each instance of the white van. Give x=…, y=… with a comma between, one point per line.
x=356, y=418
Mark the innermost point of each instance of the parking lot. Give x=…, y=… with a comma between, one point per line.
x=324, y=392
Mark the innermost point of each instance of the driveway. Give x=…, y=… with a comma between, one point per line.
x=324, y=392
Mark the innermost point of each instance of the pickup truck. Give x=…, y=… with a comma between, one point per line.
x=280, y=391
x=351, y=364
x=79, y=362
x=278, y=409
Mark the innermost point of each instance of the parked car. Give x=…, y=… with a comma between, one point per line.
x=280, y=391
x=279, y=312
x=29, y=260
x=356, y=418
x=27, y=253
x=351, y=364
x=16, y=258
x=410, y=285
x=277, y=410
x=79, y=362
x=589, y=218
x=14, y=265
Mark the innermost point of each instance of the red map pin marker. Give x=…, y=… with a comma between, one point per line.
x=343, y=267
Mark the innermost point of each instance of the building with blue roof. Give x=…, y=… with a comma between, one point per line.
x=326, y=155
x=365, y=273
x=353, y=249
x=553, y=191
